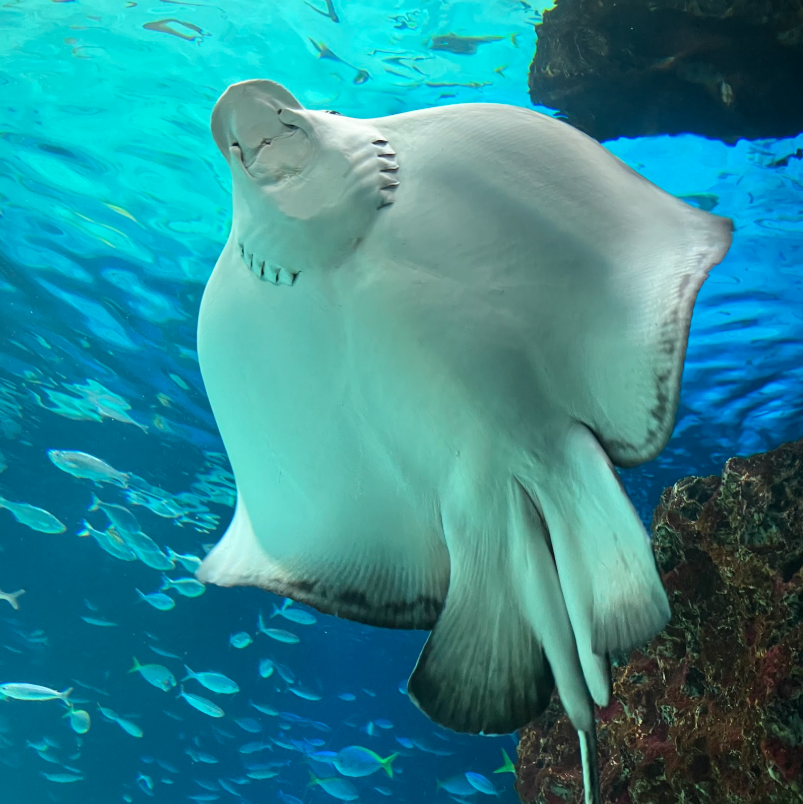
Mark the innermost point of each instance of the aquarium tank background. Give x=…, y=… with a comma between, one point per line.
x=114, y=206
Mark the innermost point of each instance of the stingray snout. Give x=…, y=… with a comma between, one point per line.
x=249, y=115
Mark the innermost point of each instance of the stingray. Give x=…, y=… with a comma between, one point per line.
x=428, y=341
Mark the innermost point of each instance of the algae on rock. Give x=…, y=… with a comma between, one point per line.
x=711, y=711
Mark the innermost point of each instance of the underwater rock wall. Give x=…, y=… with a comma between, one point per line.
x=626, y=68
x=712, y=710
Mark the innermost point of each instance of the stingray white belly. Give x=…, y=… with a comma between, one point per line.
x=320, y=491
x=428, y=340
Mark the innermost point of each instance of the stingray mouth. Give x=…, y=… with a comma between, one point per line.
x=266, y=271
x=247, y=157
x=247, y=161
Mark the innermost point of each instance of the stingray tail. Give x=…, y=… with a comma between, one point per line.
x=604, y=558
x=590, y=765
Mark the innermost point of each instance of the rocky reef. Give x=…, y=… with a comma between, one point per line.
x=626, y=68
x=711, y=711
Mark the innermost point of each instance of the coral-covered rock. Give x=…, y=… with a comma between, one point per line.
x=712, y=710
x=626, y=68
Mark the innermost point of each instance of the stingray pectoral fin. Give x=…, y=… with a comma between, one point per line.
x=378, y=587
x=237, y=559
x=605, y=562
x=482, y=669
x=635, y=348
x=488, y=664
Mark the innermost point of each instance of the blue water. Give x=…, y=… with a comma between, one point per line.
x=115, y=205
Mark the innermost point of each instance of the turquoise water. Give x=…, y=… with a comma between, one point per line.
x=115, y=204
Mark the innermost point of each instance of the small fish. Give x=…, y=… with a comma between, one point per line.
x=12, y=597
x=166, y=508
x=110, y=541
x=266, y=668
x=228, y=787
x=128, y=528
x=200, y=756
x=347, y=696
x=188, y=587
x=507, y=766
x=262, y=773
x=87, y=467
x=285, y=672
x=421, y=745
x=145, y=783
x=240, y=640
x=357, y=761
x=330, y=10
x=264, y=708
x=33, y=692
x=125, y=725
x=276, y=633
x=293, y=614
x=190, y=562
x=120, y=517
x=155, y=674
x=162, y=652
x=201, y=704
x=457, y=785
x=469, y=84
x=306, y=694
x=148, y=552
x=108, y=713
x=324, y=52
x=341, y=789
x=33, y=638
x=464, y=45
x=158, y=600
x=281, y=636
x=252, y=748
x=129, y=727
x=99, y=622
x=479, y=782
x=248, y=724
x=48, y=757
x=79, y=720
x=62, y=778
x=35, y=518
x=215, y=682
x=292, y=717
